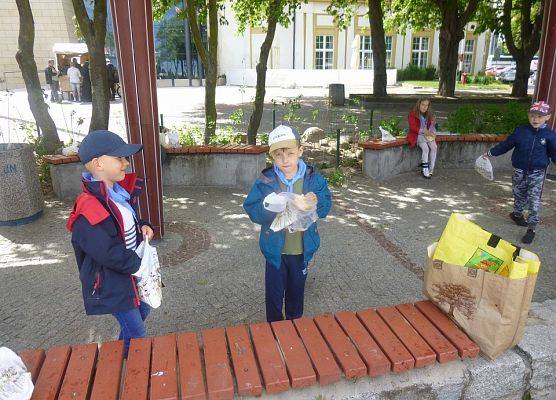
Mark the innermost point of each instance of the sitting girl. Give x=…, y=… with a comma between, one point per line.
x=423, y=133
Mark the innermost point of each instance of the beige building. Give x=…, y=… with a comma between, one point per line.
x=53, y=23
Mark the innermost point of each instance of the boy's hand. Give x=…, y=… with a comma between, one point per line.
x=311, y=198
x=147, y=232
x=485, y=155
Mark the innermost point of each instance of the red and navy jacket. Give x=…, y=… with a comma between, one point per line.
x=105, y=264
x=414, y=126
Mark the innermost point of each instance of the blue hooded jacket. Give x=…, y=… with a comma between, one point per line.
x=270, y=242
x=533, y=148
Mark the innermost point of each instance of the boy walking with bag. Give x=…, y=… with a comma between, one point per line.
x=105, y=233
x=287, y=253
x=534, y=145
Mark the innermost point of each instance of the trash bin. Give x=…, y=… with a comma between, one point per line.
x=21, y=198
x=337, y=94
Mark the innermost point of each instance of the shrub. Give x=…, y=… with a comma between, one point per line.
x=488, y=118
x=392, y=125
x=414, y=73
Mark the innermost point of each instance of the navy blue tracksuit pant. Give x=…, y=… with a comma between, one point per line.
x=286, y=283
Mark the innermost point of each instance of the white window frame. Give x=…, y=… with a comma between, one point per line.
x=421, y=52
x=467, y=65
x=324, y=51
x=365, y=54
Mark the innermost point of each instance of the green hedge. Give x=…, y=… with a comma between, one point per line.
x=488, y=118
x=414, y=73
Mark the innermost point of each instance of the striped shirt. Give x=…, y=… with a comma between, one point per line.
x=130, y=229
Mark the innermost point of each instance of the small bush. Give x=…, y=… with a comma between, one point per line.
x=489, y=118
x=392, y=125
x=414, y=73
x=190, y=135
x=336, y=178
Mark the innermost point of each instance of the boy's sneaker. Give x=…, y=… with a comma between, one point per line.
x=518, y=219
x=528, y=237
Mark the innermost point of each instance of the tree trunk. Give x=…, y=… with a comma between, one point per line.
x=258, y=105
x=26, y=61
x=521, y=82
x=209, y=59
x=94, y=33
x=451, y=32
x=379, y=47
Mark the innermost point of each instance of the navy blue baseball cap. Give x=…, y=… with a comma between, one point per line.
x=105, y=143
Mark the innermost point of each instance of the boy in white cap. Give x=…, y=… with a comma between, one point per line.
x=287, y=254
x=534, y=145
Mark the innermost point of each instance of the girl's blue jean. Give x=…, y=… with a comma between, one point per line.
x=132, y=324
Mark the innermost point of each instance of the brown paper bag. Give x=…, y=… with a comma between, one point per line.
x=490, y=308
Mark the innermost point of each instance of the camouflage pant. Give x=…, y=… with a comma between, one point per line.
x=527, y=190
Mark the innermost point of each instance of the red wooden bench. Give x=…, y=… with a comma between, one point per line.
x=244, y=360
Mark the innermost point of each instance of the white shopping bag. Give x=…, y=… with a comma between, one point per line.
x=150, y=281
x=15, y=381
x=484, y=168
x=386, y=136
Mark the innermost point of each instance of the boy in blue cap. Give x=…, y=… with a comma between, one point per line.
x=534, y=145
x=287, y=254
x=106, y=231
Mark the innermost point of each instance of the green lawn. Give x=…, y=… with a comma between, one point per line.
x=434, y=85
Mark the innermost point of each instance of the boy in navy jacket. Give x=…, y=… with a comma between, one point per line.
x=287, y=254
x=105, y=233
x=533, y=145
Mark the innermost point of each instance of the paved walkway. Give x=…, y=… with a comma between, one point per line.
x=373, y=247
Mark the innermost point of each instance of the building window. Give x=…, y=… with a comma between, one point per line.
x=324, y=52
x=388, y=41
x=366, y=52
x=468, y=55
x=420, y=51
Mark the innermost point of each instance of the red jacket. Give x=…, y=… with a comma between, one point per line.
x=414, y=125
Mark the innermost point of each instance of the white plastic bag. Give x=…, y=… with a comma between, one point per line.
x=386, y=136
x=484, y=168
x=15, y=381
x=70, y=150
x=298, y=214
x=150, y=281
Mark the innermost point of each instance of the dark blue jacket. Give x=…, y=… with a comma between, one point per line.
x=105, y=265
x=271, y=243
x=533, y=148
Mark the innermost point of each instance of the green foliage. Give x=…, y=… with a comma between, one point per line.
x=170, y=35
x=263, y=138
x=292, y=107
x=336, y=178
x=255, y=13
x=39, y=151
x=489, y=118
x=392, y=125
x=349, y=162
x=414, y=73
x=190, y=135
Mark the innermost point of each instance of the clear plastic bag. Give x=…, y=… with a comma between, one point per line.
x=15, y=381
x=297, y=213
x=484, y=167
x=150, y=281
x=386, y=136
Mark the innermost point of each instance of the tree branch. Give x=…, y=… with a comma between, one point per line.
x=85, y=23
x=506, y=27
x=196, y=32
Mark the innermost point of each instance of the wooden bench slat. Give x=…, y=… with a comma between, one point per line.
x=243, y=360
x=444, y=350
x=466, y=347
x=136, y=379
x=164, y=380
x=79, y=375
x=399, y=356
x=376, y=361
x=217, y=366
x=298, y=363
x=419, y=349
x=321, y=356
x=106, y=385
x=272, y=366
x=345, y=352
x=33, y=360
x=192, y=382
x=52, y=373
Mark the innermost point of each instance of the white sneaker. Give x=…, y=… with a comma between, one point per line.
x=426, y=172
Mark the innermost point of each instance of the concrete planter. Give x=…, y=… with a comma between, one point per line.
x=21, y=198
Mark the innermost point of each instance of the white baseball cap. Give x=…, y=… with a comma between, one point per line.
x=283, y=137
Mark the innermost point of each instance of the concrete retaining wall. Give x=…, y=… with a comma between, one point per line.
x=231, y=170
x=388, y=162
